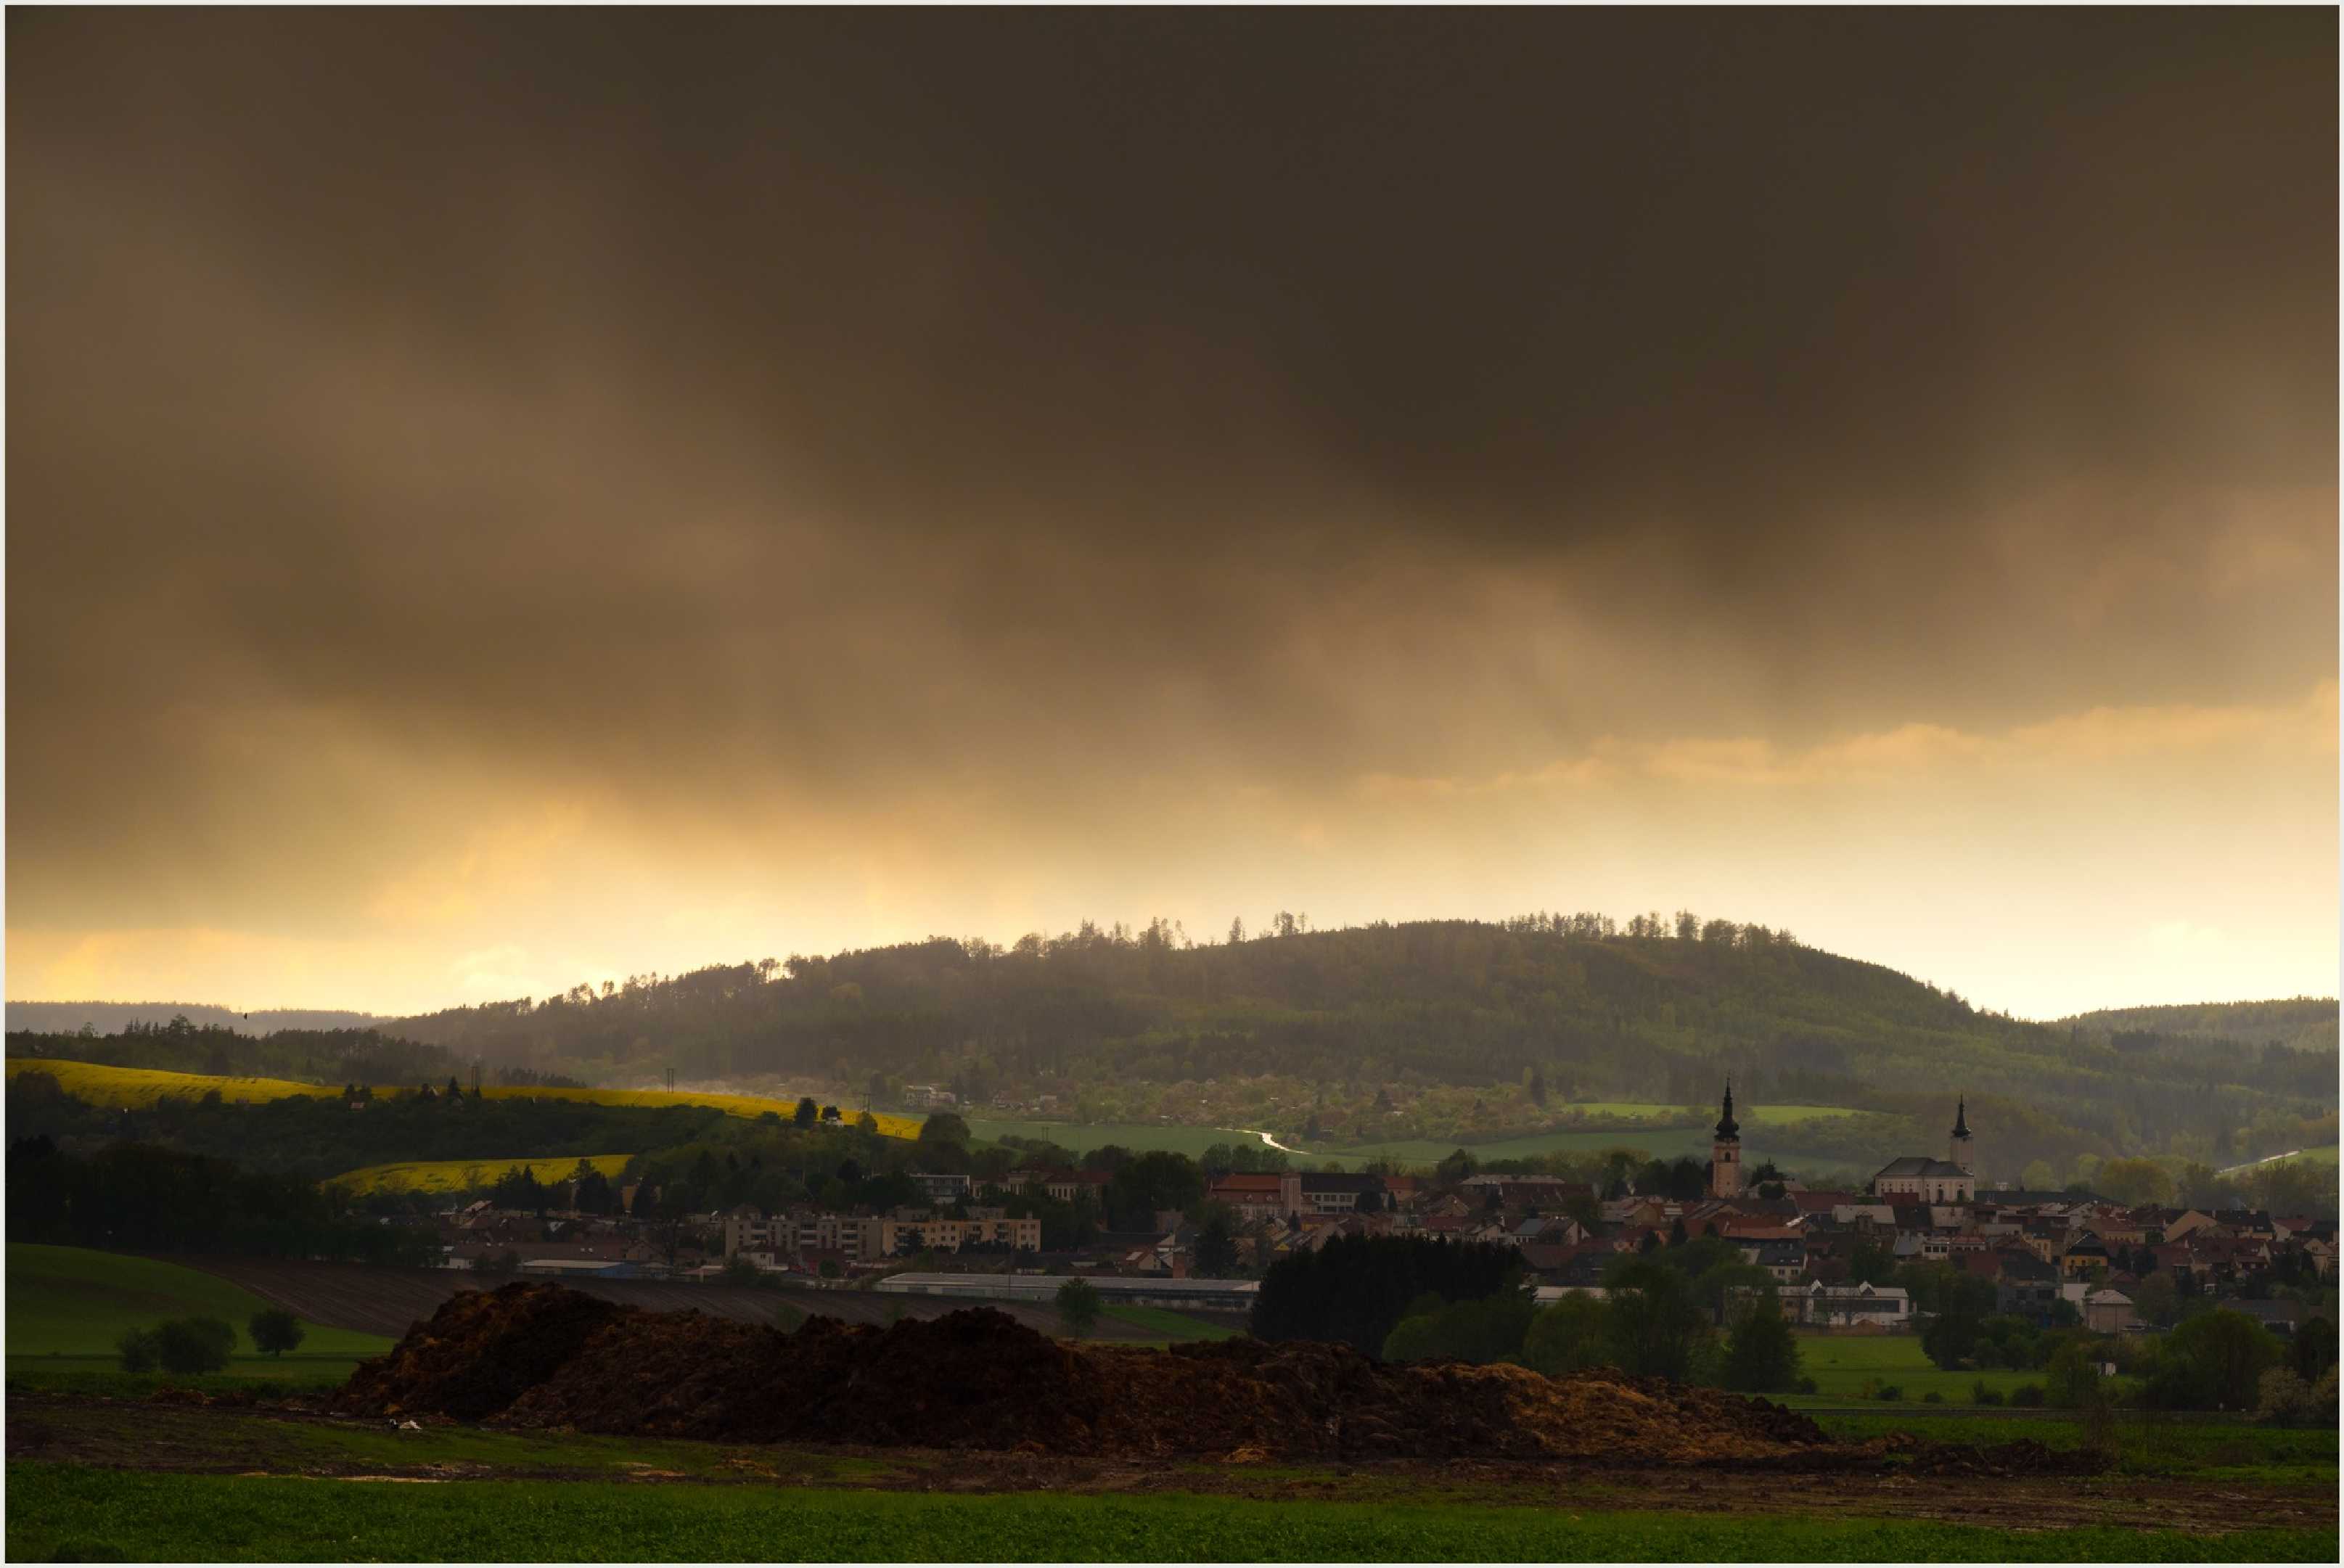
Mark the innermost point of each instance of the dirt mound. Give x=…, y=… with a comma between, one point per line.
x=2026, y=1456
x=480, y=1351
x=539, y=1355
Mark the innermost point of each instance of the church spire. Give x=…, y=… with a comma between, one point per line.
x=1961, y=1116
x=1726, y=1126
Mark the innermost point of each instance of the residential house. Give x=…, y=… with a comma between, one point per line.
x=1824, y=1305
x=2107, y=1311
x=1784, y=1258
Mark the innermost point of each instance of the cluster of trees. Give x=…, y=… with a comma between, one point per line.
x=189, y=1345
x=2294, y=1022
x=1355, y=1288
x=586, y=1188
x=1413, y=1299
x=305, y=1055
x=137, y=1198
x=772, y=1163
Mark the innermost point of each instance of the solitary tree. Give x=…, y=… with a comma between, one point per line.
x=808, y=1113
x=1217, y=1246
x=1078, y=1306
x=276, y=1330
x=943, y=1126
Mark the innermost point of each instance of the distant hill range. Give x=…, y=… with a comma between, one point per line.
x=1656, y=1012
x=2300, y=1023
x=112, y=1018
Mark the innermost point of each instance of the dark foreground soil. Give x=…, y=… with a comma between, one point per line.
x=534, y=1356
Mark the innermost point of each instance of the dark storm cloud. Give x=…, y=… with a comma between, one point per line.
x=713, y=403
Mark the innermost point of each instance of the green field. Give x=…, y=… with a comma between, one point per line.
x=1841, y=1365
x=2325, y=1156
x=67, y=1511
x=1665, y=1143
x=1171, y=1326
x=67, y=1305
x=1082, y=1136
x=1749, y=1116
x=1661, y=1143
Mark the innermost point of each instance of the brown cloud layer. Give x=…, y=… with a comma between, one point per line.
x=520, y=480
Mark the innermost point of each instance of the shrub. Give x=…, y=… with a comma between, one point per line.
x=1566, y=1337
x=2028, y=1394
x=138, y=1350
x=194, y=1344
x=1481, y=1331
x=1982, y=1395
x=1891, y=1392
x=1078, y=1305
x=2284, y=1400
x=2214, y=1360
x=1808, y=1386
x=1933, y=1398
x=2075, y=1376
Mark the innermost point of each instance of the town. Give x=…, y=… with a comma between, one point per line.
x=1835, y=1256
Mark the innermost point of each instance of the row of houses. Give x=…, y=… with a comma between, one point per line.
x=813, y=1236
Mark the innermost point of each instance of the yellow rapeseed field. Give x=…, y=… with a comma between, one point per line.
x=137, y=1088
x=750, y=1105
x=141, y=1087
x=457, y=1175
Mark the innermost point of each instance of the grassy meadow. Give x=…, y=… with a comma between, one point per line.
x=66, y=1513
x=1082, y=1136
x=1841, y=1365
x=67, y=1305
x=1662, y=1142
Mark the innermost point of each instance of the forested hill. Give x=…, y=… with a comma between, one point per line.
x=2300, y=1023
x=1659, y=1011
x=113, y=1017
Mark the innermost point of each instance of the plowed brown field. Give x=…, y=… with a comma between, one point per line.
x=390, y=1301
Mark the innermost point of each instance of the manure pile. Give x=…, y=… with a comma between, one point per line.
x=531, y=1355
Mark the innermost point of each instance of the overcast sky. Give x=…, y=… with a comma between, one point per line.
x=496, y=501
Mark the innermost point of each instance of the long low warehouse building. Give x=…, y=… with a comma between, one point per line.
x=1196, y=1295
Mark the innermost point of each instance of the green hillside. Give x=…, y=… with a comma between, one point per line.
x=67, y=1306
x=1452, y=1022
x=2298, y=1023
x=1382, y=1036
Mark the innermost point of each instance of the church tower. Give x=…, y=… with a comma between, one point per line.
x=1959, y=1149
x=1725, y=1154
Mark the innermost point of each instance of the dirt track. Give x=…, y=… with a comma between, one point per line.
x=390, y=1301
